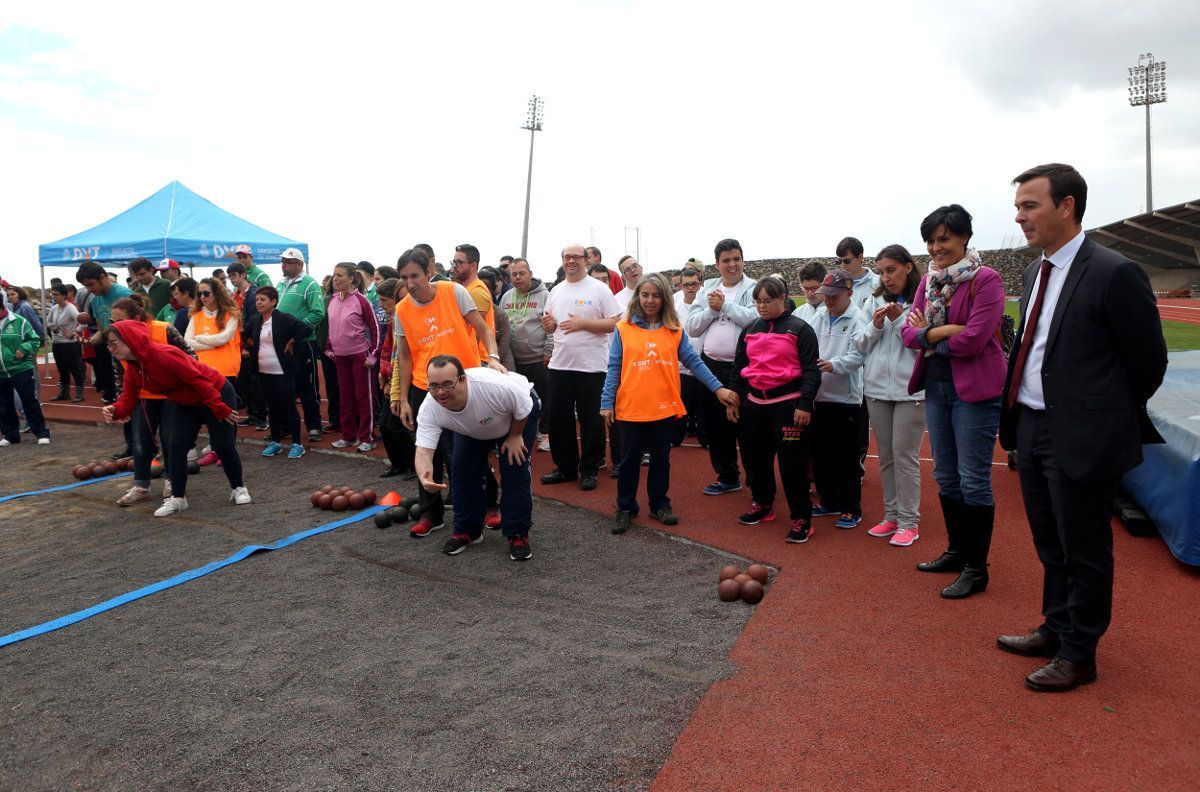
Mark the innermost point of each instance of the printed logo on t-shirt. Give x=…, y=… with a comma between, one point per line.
x=432, y=322
x=651, y=349
x=581, y=301
x=487, y=420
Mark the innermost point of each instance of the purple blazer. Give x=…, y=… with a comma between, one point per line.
x=976, y=360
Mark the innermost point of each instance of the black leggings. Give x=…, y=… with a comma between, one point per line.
x=68, y=358
x=185, y=423
x=280, y=393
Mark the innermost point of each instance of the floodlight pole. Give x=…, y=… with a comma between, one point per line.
x=1148, y=86
x=533, y=122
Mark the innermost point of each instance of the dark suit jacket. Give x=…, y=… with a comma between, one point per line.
x=285, y=327
x=1105, y=357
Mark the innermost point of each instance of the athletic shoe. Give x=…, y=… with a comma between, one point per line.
x=134, y=495
x=717, y=488
x=26, y=429
x=170, y=506
x=885, y=528
x=422, y=528
x=365, y=447
x=459, y=542
x=314, y=436
x=295, y=451
x=848, y=520
x=621, y=519
x=820, y=511
x=43, y=441
x=5, y=443
x=247, y=421
x=491, y=518
x=905, y=537
x=331, y=428
x=646, y=459
x=208, y=458
x=261, y=427
x=665, y=516
x=192, y=454
x=801, y=532
x=272, y=449
x=544, y=443
x=343, y=443
x=587, y=483
x=757, y=514
x=239, y=495
x=518, y=548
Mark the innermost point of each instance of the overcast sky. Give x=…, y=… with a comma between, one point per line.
x=362, y=131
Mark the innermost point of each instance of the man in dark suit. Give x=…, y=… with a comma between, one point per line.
x=1090, y=353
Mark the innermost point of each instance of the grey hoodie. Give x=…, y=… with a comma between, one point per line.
x=530, y=343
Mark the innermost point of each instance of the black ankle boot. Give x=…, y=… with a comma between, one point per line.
x=976, y=526
x=971, y=580
x=952, y=559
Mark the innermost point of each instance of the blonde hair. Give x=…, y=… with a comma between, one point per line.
x=667, y=314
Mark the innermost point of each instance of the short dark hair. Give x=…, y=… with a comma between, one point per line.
x=849, y=246
x=691, y=272
x=900, y=253
x=725, y=245
x=426, y=249
x=490, y=276
x=509, y=259
x=139, y=264
x=813, y=270
x=471, y=252
x=1064, y=181
x=386, y=272
x=90, y=270
x=523, y=261
x=236, y=268
x=58, y=288
x=595, y=251
x=388, y=288
x=773, y=285
x=55, y=281
x=597, y=267
x=218, y=272
x=446, y=360
x=268, y=291
x=956, y=219
x=367, y=267
x=414, y=256
x=185, y=285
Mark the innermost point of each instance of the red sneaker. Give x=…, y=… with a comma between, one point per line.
x=423, y=527
x=491, y=518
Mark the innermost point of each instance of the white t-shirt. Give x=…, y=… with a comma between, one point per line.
x=623, y=297
x=682, y=308
x=581, y=350
x=268, y=361
x=808, y=312
x=494, y=400
x=720, y=341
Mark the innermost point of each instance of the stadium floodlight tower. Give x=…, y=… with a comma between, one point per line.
x=1148, y=86
x=533, y=122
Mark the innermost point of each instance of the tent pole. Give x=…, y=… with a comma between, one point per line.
x=42, y=271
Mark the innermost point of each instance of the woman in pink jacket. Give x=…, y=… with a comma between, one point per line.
x=961, y=367
x=353, y=344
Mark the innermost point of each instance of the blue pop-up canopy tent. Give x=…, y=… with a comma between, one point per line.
x=174, y=223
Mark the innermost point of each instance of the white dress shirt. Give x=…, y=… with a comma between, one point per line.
x=1030, y=392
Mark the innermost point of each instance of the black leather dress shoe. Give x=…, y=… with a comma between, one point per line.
x=556, y=476
x=1032, y=645
x=587, y=482
x=1061, y=675
x=391, y=471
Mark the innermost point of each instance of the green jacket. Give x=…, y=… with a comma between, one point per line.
x=302, y=300
x=258, y=276
x=167, y=314
x=17, y=333
x=159, y=293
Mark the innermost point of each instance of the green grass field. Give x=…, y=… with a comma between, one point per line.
x=1180, y=336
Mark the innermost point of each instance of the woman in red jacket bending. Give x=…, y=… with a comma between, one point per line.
x=196, y=394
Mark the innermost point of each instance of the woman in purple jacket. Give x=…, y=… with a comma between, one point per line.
x=961, y=367
x=353, y=344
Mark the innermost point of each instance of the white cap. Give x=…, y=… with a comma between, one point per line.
x=243, y=249
x=292, y=253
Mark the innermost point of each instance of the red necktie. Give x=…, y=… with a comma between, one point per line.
x=1031, y=322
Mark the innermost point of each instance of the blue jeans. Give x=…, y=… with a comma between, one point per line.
x=471, y=461
x=963, y=437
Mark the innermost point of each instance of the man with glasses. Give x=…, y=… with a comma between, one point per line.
x=581, y=313
x=434, y=318
x=300, y=297
x=812, y=275
x=486, y=411
x=850, y=258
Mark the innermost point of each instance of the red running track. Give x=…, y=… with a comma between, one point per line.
x=1187, y=311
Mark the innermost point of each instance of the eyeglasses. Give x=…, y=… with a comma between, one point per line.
x=434, y=387
x=631, y=268
x=204, y=294
x=810, y=289
x=845, y=261
x=572, y=257
x=767, y=300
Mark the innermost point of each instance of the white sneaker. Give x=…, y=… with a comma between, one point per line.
x=192, y=454
x=342, y=443
x=544, y=444
x=170, y=506
x=365, y=447
x=167, y=489
x=134, y=495
x=43, y=441
x=240, y=496
x=4, y=443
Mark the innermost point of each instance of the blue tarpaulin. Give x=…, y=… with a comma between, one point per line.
x=174, y=223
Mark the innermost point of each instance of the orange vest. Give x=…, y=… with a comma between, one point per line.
x=158, y=335
x=649, y=389
x=226, y=359
x=480, y=293
x=436, y=329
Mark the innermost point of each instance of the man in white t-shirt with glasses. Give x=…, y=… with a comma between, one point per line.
x=723, y=307
x=581, y=312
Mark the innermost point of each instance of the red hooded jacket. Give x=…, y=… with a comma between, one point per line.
x=168, y=371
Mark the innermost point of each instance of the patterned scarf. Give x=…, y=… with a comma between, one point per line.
x=942, y=283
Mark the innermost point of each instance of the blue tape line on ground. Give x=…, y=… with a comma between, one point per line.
x=191, y=574
x=63, y=487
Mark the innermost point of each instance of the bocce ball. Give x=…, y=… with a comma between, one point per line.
x=728, y=590
x=759, y=572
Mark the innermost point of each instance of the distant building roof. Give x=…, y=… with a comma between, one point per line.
x=1165, y=238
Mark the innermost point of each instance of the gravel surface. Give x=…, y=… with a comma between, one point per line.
x=359, y=658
